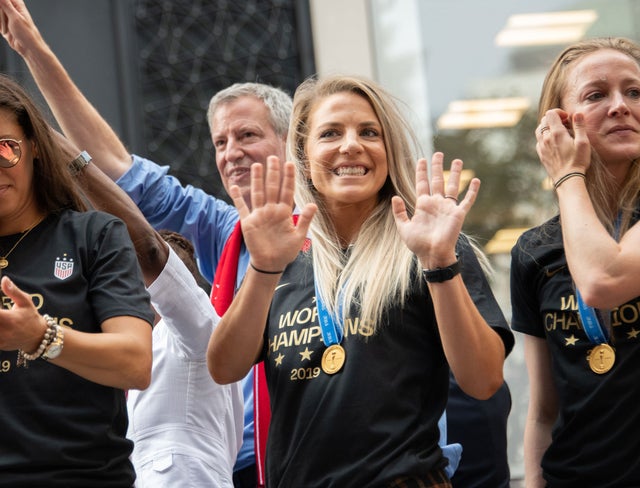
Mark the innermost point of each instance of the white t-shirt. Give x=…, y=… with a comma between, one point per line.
x=186, y=428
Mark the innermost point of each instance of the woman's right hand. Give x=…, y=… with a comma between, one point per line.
x=272, y=238
x=562, y=144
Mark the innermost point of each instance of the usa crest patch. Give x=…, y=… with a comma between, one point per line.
x=63, y=268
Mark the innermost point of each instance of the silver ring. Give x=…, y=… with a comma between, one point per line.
x=542, y=129
x=451, y=197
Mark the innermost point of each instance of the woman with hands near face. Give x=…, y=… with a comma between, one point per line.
x=576, y=278
x=359, y=308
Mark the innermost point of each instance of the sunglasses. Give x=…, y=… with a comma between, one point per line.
x=9, y=153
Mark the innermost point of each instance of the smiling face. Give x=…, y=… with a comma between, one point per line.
x=347, y=159
x=605, y=87
x=17, y=200
x=242, y=134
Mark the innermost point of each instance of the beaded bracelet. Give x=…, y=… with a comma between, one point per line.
x=567, y=176
x=50, y=333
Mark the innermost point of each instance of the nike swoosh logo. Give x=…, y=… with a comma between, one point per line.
x=551, y=272
x=281, y=286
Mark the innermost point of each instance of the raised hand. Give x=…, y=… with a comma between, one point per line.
x=17, y=26
x=273, y=240
x=562, y=144
x=432, y=232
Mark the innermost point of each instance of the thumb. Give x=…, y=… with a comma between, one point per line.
x=399, y=210
x=305, y=218
x=19, y=297
x=581, y=140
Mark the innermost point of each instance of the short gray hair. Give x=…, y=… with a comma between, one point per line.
x=277, y=101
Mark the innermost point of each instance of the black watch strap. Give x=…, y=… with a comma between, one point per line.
x=438, y=275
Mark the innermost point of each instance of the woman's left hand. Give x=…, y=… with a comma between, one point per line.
x=433, y=230
x=21, y=326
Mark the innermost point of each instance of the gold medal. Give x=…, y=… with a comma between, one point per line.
x=601, y=358
x=333, y=359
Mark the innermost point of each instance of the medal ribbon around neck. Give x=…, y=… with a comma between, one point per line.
x=591, y=322
x=334, y=356
x=601, y=357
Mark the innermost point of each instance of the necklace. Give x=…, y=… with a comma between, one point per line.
x=3, y=259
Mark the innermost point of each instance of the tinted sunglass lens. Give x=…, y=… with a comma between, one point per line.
x=9, y=153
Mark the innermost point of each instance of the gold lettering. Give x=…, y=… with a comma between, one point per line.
x=299, y=337
x=304, y=316
x=561, y=320
x=568, y=303
x=314, y=331
x=282, y=341
x=65, y=322
x=287, y=320
x=351, y=326
x=6, y=302
x=272, y=346
x=365, y=329
x=38, y=300
x=628, y=313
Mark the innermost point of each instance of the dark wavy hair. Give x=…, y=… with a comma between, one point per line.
x=53, y=185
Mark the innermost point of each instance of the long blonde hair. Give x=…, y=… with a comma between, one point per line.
x=377, y=270
x=600, y=184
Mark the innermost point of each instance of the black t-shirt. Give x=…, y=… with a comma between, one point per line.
x=58, y=429
x=376, y=419
x=594, y=441
x=480, y=426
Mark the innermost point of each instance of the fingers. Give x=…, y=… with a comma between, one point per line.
x=582, y=144
x=238, y=200
x=287, y=189
x=471, y=195
x=564, y=146
x=19, y=297
x=422, y=177
x=437, y=173
x=257, y=185
x=399, y=210
x=453, y=182
x=272, y=180
x=304, y=219
x=449, y=188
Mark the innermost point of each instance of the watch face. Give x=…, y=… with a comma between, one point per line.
x=53, y=351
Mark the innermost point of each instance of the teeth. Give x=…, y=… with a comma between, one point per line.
x=350, y=171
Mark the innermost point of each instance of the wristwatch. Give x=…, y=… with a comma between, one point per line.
x=54, y=349
x=438, y=275
x=79, y=163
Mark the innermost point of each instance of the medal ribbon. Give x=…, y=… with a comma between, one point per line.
x=329, y=324
x=591, y=322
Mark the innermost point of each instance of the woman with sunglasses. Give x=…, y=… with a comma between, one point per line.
x=75, y=323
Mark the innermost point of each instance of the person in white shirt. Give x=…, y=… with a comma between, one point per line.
x=186, y=429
